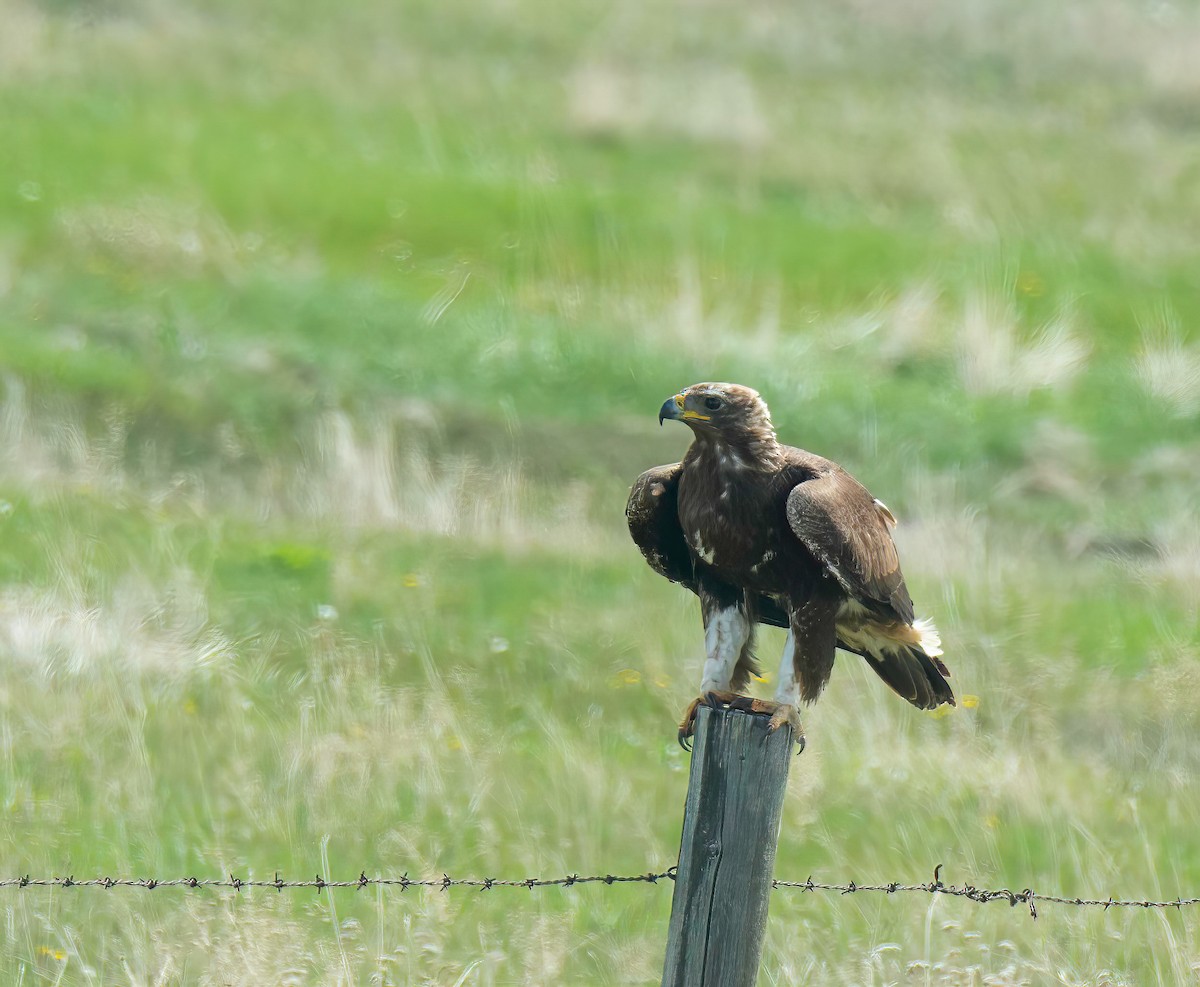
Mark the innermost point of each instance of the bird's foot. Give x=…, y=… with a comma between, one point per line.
x=687, y=725
x=781, y=713
x=787, y=713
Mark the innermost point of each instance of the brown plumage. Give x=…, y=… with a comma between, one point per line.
x=767, y=533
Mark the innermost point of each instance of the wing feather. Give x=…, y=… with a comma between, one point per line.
x=653, y=517
x=839, y=521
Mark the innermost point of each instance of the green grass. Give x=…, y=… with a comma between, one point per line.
x=329, y=346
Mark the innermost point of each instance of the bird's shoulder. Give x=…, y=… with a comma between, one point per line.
x=652, y=490
x=800, y=466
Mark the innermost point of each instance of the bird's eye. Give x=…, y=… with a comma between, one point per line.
x=712, y=404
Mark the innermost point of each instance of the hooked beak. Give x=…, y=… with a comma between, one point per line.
x=672, y=408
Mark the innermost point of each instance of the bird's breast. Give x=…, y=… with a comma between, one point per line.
x=729, y=535
x=708, y=536
x=739, y=527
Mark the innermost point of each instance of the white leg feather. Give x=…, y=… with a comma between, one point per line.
x=787, y=690
x=724, y=637
x=787, y=693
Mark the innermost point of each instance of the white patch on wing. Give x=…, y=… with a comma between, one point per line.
x=825, y=560
x=787, y=691
x=724, y=637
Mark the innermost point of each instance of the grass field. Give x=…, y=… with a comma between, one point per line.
x=330, y=344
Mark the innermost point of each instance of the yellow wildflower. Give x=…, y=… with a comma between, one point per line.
x=1030, y=284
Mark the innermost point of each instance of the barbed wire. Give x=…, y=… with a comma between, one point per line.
x=1027, y=897
x=404, y=882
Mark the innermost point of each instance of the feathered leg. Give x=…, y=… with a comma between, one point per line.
x=747, y=664
x=807, y=662
x=787, y=693
x=728, y=644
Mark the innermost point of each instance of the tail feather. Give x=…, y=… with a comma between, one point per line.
x=915, y=676
x=906, y=656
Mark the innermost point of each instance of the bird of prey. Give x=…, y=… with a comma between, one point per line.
x=767, y=533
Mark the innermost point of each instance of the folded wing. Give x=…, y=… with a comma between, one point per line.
x=839, y=521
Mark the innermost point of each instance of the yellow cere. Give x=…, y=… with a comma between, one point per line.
x=696, y=415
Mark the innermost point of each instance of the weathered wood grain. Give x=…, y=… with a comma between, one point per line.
x=727, y=852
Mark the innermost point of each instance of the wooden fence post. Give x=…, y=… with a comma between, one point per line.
x=727, y=852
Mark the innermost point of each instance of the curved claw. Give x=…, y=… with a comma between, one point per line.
x=713, y=699
x=785, y=713
x=687, y=725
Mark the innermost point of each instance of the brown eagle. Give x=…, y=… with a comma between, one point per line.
x=766, y=533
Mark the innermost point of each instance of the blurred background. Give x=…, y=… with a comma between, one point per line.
x=330, y=343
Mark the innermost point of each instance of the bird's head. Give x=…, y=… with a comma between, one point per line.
x=728, y=412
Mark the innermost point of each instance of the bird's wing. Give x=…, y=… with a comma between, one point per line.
x=653, y=516
x=839, y=521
